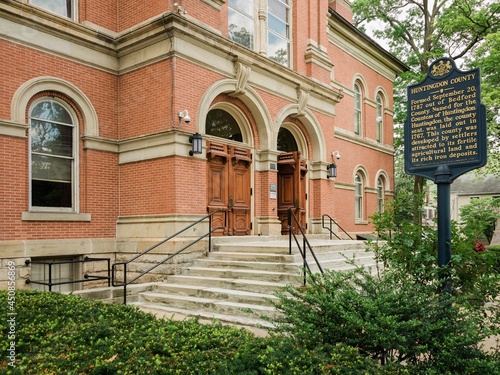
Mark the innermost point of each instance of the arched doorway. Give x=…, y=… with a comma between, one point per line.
x=228, y=176
x=292, y=193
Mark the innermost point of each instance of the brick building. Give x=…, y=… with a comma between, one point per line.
x=102, y=102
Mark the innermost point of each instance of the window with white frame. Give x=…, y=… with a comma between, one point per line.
x=380, y=195
x=53, y=170
x=357, y=108
x=64, y=8
x=380, y=118
x=358, y=197
x=244, y=23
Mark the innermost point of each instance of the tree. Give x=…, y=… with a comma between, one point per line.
x=487, y=58
x=420, y=31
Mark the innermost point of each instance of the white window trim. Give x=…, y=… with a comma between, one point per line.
x=261, y=30
x=379, y=99
x=75, y=193
x=74, y=9
x=358, y=112
x=360, y=197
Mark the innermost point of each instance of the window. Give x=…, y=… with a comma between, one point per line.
x=221, y=124
x=243, y=25
x=357, y=108
x=358, y=197
x=62, y=7
x=241, y=22
x=286, y=141
x=52, y=147
x=60, y=273
x=278, y=39
x=380, y=195
x=380, y=118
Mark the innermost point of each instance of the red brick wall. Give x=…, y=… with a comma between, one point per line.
x=98, y=170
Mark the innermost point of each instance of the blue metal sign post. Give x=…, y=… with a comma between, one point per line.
x=445, y=135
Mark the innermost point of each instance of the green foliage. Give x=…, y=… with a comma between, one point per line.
x=399, y=313
x=61, y=334
x=479, y=217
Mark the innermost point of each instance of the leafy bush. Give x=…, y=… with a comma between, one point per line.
x=480, y=216
x=390, y=318
x=401, y=313
x=61, y=334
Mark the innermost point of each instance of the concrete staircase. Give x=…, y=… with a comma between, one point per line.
x=234, y=284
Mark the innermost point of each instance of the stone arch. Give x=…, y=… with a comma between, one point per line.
x=250, y=98
x=312, y=127
x=30, y=88
x=385, y=177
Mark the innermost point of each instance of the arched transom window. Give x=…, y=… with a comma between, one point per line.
x=221, y=124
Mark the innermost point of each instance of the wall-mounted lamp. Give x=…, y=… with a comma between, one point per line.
x=184, y=115
x=196, y=144
x=332, y=171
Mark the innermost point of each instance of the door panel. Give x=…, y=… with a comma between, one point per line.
x=229, y=188
x=291, y=189
x=217, y=188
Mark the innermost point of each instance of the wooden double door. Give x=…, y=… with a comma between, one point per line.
x=229, y=188
x=292, y=191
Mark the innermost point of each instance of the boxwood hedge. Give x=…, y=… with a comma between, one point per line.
x=65, y=334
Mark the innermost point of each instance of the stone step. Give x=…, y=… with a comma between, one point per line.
x=164, y=311
x=255, y=257
x=213, y=305
x=282, y=246
x=248, y=274
x=246, y=265
x=256, y=286
x=239, y=296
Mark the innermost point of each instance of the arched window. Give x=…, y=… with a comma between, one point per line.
x=380, y=194
x=358, y=197
x=221, y=124
x=53, y=136
x=357, y=108
x=380, y=118
x=286, y=141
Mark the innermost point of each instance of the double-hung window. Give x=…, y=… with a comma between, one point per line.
x=248, y=19
x=53, y=168
x=64, y=8
x=278, y=31
x=357, y=108
x=241, y=22
x=358, y=197
x=380, y=118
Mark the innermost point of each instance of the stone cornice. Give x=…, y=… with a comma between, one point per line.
x=348, y=38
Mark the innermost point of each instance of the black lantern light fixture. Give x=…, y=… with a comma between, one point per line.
x=332, y=171
x=332, y=168
x=196, y=144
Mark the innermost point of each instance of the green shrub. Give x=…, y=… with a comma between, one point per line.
x=61, y=334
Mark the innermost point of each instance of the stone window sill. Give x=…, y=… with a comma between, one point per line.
x=54, y=216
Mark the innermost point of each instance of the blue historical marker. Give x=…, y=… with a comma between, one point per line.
x=445, y=134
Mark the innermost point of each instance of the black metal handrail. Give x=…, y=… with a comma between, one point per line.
x=86, y=277
x=305, y=242
x=332, y=221
x=196, y=240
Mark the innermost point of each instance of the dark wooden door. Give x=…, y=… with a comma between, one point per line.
x=229, y=188
x=292, y=189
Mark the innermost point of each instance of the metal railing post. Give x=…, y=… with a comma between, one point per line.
x=289, y=220
x=125, y=283
x=50, y=276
